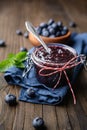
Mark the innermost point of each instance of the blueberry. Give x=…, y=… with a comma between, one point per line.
x=10, y=99
x=65, y=29
x=72, y=24
x=63, y=33
x=18, y=32
x=39, y=30
x=49, y=27
x=23, y=49
x=44, y=29
x=52, y=36
x=59, y=24
x=30, y=92
x=52, y=31
x=54, y=25
x=2, y=43
x=26, y=34
x=57, y=33
x=50, y=22
x=43, y=25
x=60, y=28
x=45, y=33
x=38, y=122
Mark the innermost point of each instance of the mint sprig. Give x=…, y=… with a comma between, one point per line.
x=13, y=60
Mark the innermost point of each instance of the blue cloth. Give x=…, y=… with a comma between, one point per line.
x=43, y=94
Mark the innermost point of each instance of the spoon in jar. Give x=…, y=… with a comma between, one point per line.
x=31, y=29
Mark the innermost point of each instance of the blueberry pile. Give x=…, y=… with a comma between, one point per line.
x=52, y=29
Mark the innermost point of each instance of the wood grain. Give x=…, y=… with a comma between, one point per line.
x=13, y=14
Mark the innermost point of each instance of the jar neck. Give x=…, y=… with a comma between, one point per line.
x=42, y=63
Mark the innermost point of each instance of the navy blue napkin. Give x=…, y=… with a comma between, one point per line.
x=43, y=94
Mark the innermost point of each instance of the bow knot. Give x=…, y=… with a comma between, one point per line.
x=76, y=60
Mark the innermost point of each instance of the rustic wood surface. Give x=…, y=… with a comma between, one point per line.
x=13, y=14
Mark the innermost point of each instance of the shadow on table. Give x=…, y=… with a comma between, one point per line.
x=42, y=128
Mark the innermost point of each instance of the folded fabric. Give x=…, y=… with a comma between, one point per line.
x=43, y=94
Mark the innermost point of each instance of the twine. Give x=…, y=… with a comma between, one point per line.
x=76, y=60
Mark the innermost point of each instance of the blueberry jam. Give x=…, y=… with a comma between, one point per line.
x=60, y=54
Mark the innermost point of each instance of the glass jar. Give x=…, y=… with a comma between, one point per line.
x=50, y=67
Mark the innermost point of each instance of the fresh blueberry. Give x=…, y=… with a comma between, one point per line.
x=52, y=36
x=26, y=34
x=52, y=31
x=65, y=29
x=50, y=22
x=59, y=24
x=23, y=49
x=2, y=43
x=30, y=92
x=49, y=27
x=10, y=99
x=18, y=32
x=38, y=122
x=39, y=30
x=63, y=33
x=45, y=33
x=60, y=28
x=44, y=29
x=54, y=25
x=43, y=25
x=72, y=24
x=57, y=33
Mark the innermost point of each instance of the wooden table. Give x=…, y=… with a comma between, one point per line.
x=13, y=14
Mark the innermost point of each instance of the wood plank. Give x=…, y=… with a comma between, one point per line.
x=81, y=116
x=31, y=111
x=9, y=112
x=72, y=115
x=63, y=119
x=50, y=117
x=19, y=113
x=76, y=12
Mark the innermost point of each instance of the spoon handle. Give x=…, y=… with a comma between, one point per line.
x=31, y=29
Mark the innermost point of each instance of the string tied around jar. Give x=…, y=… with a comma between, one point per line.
x=75, y=61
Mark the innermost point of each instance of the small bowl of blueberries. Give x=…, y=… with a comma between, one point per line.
x=51, y=32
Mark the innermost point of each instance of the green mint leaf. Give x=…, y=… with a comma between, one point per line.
x=13, y=60
x=20, y=65
x=11, y=55
x=5, y=64
x=20, y=56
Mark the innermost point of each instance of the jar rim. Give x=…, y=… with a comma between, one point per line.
x=36, y=59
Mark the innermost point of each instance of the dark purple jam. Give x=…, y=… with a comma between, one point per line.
x=58, y=55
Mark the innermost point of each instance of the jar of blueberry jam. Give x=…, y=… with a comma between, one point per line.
x=50, y=67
